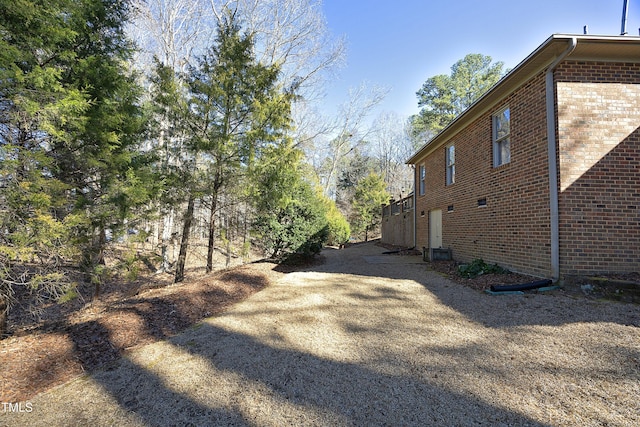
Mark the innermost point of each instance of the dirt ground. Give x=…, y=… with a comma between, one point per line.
x=363, y=339
x=72, y=339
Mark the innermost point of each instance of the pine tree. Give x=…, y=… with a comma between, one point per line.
x=99, y=161
x=369, y=196
x=34, y=102
x=236, y=109
x=69, y=126
x=443, y=97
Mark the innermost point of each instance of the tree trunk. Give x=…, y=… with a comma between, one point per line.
x=102, y=242
x=165, y=237
x=186, y=230
x=212, y=230
x=163, y=246
x=4, y=311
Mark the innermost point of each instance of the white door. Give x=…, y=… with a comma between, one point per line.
x=435, y=228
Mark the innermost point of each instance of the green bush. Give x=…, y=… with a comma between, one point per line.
x=479, y=267
x=297, y=226
x=313, y=245
x=338, y=229
x=291, y=212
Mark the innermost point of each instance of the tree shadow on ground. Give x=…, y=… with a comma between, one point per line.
x=278, y=386
x=544, y=309
x=59, y=351
x=231, y=378
x=143, y=319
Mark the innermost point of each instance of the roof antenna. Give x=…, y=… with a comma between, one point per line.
x=585, y=30
x=625, y=11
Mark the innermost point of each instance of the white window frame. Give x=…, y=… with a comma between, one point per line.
x=450, y=164
x=501, y=140
x=422, y=177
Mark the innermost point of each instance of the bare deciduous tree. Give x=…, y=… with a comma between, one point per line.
x=391, y=145
x=171, y=30
x=350, y=131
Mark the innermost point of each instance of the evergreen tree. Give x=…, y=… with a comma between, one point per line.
x=236, y=110
x=99, y=161
x=339, y=229
x=33, y=101
x=369, y=196
x=69, y=123
x=291, y=216
x=443, y=97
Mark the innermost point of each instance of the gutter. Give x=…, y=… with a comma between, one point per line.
x=504, y=80
x=533, y=64
x=415, y=208
x=552, y=145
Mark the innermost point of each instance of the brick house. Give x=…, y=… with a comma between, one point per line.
x=542, y=174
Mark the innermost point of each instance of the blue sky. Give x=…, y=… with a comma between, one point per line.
x=400, y=44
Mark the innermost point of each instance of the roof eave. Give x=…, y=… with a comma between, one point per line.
x=532, y=65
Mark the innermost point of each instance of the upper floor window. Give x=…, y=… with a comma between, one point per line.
x=423, y=178
x=451, y=164
x=502, y=137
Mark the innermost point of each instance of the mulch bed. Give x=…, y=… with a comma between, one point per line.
x=606, y=287
x=449, y=269
x=81, y=337
x=481, y=282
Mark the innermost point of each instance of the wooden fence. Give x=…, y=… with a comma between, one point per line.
x=397, y=222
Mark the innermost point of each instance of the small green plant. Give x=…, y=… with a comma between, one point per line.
x=98, y=276
x=223, y=237
x=130, y=265
x=478, y=267
x=132, y=272
x=246, y=251
x=69, y=294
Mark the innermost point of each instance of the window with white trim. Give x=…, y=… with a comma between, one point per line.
x=451, y=164
x=502, y=137
x=423, y=178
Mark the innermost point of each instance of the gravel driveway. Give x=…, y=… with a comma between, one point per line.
x=370, y=339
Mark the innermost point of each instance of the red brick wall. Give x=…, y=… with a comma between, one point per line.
x=513, y=229
x=598, y=118
x=599, y=163
x=598, y=115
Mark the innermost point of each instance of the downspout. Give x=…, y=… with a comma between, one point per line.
x=552, y=144
x=415, y=209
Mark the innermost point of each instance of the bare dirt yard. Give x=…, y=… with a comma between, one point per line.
x=361, y=339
